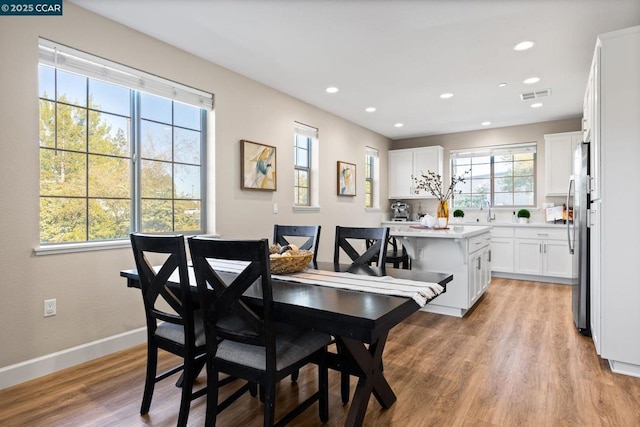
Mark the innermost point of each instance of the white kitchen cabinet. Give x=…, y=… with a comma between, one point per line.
x=406, y=163
x=558, y=157
x=502, y=254
x=542, y=252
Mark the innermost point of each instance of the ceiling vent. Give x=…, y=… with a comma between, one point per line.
x=537, y=94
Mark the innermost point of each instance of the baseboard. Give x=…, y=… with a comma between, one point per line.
x=50, y=363
x=533, y=278
x=624, y=368
x=441, y=309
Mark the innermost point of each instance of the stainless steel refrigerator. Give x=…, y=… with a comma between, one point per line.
x=578, y=237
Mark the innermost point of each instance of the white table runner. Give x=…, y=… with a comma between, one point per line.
x=420, y=292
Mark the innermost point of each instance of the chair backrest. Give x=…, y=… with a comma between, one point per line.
x=153, y=281
x=225, y=314
x=374, y=239
x=281, y=232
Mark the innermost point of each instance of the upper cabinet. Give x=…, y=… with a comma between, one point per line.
x=403, y=164
x=558, y=159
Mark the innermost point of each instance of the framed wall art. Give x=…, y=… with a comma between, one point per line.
x=346, y=179
x=258, y=166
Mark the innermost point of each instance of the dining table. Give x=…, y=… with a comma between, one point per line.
x=360, y=321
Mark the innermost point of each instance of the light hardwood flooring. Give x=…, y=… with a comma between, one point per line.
x=515, y=360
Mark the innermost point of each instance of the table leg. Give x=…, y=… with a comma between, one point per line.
x=371, y=380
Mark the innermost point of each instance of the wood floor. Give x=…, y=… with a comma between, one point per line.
x=516, y=360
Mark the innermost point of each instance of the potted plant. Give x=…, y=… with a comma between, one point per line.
x=458, y=214
x=524, y=215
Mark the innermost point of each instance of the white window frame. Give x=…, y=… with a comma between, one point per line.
x=492, y=152
x=71, y=60
x=314, y=166
x=373, y=155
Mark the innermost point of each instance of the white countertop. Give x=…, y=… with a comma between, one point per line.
x=482, y=223
x=455, y=231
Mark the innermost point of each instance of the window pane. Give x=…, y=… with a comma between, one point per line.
x=462, y=201
x=476, y=199
x=109, y=177
x=523, y=156
x=187, y=146
x=108, y=134
x=464, y=187
x=155, y=108
x=187, y=215
x=503, y=185
x=523, y=168
x=62, y=220
x=108, y=97
x=481, y=186
x=301, y=178
x=523, y=199
x=303, y=141
x=503, y=169
x=72, y=88
x=186, y=116
x=524, y=183
x=109, y=219
x=156, y=216
x=187, y=182
x=302, y=158
x=62, y=173
x=481, y=171
x=46, y=82
x=465, y=162
x=156, y=141
x=47, y=124
x=503, y=199
x=303, y=196
x=480, y=160
x=72, y=128
x=156, y=181
x=503, y=158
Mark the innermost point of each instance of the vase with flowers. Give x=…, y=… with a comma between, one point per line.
x=432, y=182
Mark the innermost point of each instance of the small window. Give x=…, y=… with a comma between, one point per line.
x=371, y=170
x=304, y=138
x=503, y=175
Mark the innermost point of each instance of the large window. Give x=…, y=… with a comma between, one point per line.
x=113, y=158
x=502, y=175
x=304, y=137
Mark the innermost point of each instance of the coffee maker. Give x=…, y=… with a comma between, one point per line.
x=401, y=211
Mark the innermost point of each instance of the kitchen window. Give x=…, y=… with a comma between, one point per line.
x=120, y=150
x=305, y=144
x=503, y=175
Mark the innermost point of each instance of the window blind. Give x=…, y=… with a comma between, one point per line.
x=76, y=61
x=497, y=150
x=304, y=130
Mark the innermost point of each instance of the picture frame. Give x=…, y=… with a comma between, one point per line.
x=346, y=179
x=258, y=166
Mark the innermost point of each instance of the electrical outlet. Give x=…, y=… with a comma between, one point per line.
x=50, y=307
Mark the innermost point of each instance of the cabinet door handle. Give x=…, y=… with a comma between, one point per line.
x=540, y=247
x=478, y=267
x=544, y=248
x=489, y=255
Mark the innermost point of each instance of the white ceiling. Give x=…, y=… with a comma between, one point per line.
x=397, y=56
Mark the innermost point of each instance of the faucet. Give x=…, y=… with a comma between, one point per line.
x=488, y=203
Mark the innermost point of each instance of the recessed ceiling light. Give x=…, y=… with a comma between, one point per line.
x=502, y=84
x=536, y=105
x=524, y=45
x=332, y=89
x=531, y=80
x=370, y=109
x=446, y=95
x=399, y=125
x=485, y=123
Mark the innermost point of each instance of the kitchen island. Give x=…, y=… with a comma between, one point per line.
x=463, y=250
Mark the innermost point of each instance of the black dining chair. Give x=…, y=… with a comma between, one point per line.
x=374, y=240
x=281, y=234
x=172, y=323
x=397, y=254
x=252, y=345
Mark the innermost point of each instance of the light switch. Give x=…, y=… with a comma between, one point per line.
x=275, y=208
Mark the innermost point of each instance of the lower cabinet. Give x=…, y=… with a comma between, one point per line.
x=502, y=253
x=542, y=252
x=479, y=273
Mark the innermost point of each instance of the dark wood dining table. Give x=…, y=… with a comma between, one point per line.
x=359, y=321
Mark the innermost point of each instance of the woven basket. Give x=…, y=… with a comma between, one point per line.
x=290, y=264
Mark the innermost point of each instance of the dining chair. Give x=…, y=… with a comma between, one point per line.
x=172, y=323
x=252, y=345
x=374, y=241
x=312, y=232
x=397, y=254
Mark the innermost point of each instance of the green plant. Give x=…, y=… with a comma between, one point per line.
x=524, y=213
x=458, y=213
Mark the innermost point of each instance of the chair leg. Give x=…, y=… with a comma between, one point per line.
x=323, y=388
x=294, y=375
x=212, y=395
x=344, y=387
x=269, y=401
x=150, y=380
x=187, y=388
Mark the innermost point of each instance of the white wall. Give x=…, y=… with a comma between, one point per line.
x=93, y=301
